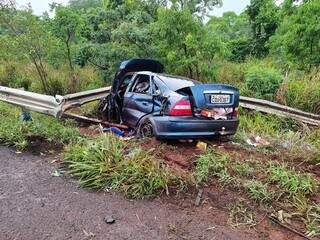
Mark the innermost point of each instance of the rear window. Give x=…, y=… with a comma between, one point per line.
x=175, y=83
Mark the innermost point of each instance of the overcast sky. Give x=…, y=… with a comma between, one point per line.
x=40, y=6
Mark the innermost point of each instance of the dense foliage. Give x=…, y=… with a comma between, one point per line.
x=268, y=51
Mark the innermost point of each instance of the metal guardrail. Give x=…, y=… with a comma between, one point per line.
x=56, y=106
x=49, y=105
x=279, y=110
x=32, y=101
x=80, y=98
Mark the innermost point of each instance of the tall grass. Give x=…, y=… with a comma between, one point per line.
x=109, y=163
x=20, y=74
x=15, y=132
x=301, y=91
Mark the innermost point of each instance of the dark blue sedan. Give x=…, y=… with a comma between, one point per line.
x=165, y=106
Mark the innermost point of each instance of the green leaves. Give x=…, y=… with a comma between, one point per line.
x=297, y=41
x=263, y=81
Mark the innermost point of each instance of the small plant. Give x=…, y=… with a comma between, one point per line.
x=226, y=179
x=293, y=182
x=240, y=216
x=313, y=228
x=243, y=169
x=258, y=191
x=210, y=163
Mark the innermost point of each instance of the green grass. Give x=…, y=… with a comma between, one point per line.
x=17, y=133
x=240, y=216
x=293, y=182
x=209, y=164
x=244, y=169
x=259, y=191
x=109, y=163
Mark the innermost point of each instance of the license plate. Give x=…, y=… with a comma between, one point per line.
x=220, y=98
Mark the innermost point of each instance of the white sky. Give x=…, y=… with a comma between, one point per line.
x=40, y=6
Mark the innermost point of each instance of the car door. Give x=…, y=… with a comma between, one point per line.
x=138, y=100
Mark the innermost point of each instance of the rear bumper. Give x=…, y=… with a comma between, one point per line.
x=191, y=127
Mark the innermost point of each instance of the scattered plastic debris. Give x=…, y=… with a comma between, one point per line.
x=26, y=116
x=257, y=141
x=109, y=220
x=115, y=131
x=198, y=198
x=56, y=173
x=202, y=146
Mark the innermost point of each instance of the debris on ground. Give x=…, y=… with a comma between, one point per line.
x=26, y=116
x=56, y=173
x=202, y=146
x=283, y=216
x=109, y=219
x=198, y=198
x=88, y=235
x=257, y=141
x=275, y=220
x=116, y=131
x=84, y=119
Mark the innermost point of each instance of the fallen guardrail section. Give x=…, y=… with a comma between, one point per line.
x=58, y=105
x=49, y=105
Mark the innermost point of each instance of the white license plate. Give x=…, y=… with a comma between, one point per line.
x=220, y=98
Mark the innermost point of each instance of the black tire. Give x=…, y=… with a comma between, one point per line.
x=145, y=129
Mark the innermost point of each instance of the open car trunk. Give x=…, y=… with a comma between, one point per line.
x=215, y=101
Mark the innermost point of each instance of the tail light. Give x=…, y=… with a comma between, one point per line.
x=182, y=108
x=235, y=112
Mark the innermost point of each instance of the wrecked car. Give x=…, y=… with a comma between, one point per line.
x=168, y=107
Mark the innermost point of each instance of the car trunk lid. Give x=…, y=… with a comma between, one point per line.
x=209, y=96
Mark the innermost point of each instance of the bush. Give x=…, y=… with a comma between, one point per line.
x=231, y=73
x=263, y=82
x=14, y=75
x=302, y=92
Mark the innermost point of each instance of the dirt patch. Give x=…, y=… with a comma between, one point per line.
x=39, y=145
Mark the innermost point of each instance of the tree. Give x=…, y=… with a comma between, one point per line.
x=118, y=33
x=264, y=19
x=67, y=26
x=298, y=38
x=201, y=7
x=235, y=30
x=27, y=38
x=85, y=4
x=185, y=46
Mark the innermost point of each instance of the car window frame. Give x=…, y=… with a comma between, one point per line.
x=134, y=83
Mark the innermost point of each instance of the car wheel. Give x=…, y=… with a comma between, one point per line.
x=145, y=130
